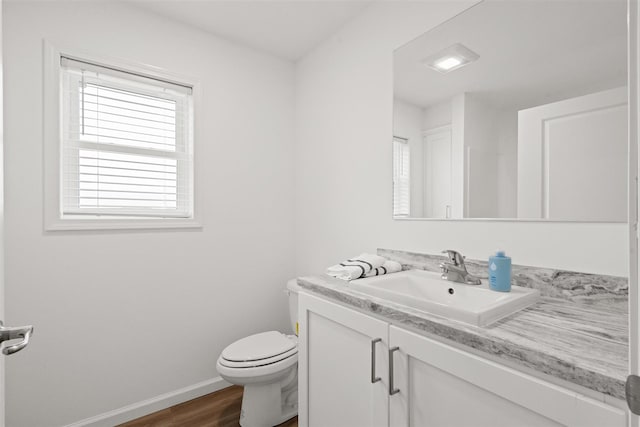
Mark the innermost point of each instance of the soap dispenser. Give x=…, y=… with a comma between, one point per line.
x=500, y=272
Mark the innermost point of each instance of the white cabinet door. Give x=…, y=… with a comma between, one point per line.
x=443, y=386
x=336, y=366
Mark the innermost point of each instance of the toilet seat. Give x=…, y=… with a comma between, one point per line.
x=260, y=346
x=260, y=362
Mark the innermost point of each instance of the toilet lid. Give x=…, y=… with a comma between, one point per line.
x=258, y=346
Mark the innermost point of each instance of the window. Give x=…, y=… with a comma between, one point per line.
x=401, y=179
x=126, y=146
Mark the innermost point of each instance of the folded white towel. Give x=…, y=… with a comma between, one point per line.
x=356, y=267
x=386, y=268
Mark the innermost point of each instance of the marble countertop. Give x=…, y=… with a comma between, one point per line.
x=583, y=343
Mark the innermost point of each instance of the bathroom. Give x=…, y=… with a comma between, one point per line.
x=293, y=107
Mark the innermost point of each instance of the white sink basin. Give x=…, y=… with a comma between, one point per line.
x=426, y=291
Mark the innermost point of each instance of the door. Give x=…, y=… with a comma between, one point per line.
x=439, y=385
x=21, y=334
x=1, y=222
x=342, y=366
x=633, y=208
x=587, y=136
x=437, y=173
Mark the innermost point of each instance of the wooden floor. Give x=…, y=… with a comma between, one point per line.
x=219, y=409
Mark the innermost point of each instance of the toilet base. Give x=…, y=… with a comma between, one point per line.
x=267, y=405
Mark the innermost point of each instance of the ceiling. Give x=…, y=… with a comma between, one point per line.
x=287, y=29
x=531, y=53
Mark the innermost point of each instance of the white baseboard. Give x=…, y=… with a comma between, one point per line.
x=149, y=406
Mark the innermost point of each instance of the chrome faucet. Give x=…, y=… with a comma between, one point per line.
x=455, y=270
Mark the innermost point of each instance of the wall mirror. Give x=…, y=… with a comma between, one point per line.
x=514, y=110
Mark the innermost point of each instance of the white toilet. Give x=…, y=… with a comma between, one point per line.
x=266, y=364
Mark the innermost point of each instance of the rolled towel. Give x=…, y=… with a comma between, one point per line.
x=386, y=268
x=356, y=267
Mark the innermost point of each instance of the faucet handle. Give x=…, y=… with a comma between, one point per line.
x=455, y=257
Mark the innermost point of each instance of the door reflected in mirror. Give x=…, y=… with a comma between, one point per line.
x=514, y=110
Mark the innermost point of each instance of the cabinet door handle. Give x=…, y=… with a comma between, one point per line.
x=374, y=379
x=392, y=389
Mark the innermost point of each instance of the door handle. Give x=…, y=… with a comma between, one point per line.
x=392, y=389
x=8, y=334
x=374, y=379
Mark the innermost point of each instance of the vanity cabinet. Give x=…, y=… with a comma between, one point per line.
x=437, y=384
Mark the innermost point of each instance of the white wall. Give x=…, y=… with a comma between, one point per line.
x=437, y=115
x=458, y=155
x=481, y=158
x=507, y=163
x=344, y=107
x=407, y=124
x=125, y=316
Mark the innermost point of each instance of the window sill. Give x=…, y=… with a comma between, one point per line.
x=77, y=224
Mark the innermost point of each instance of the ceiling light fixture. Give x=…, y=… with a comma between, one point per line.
x=451, y=58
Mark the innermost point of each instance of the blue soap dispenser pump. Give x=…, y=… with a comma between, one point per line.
x=500, y=272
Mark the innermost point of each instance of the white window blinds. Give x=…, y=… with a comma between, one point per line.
x=126, y=143
x=401, y=178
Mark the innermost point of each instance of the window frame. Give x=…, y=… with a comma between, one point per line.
x=52, y=140
x=396, y=177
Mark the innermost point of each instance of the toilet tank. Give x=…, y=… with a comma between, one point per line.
x=292, y=291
